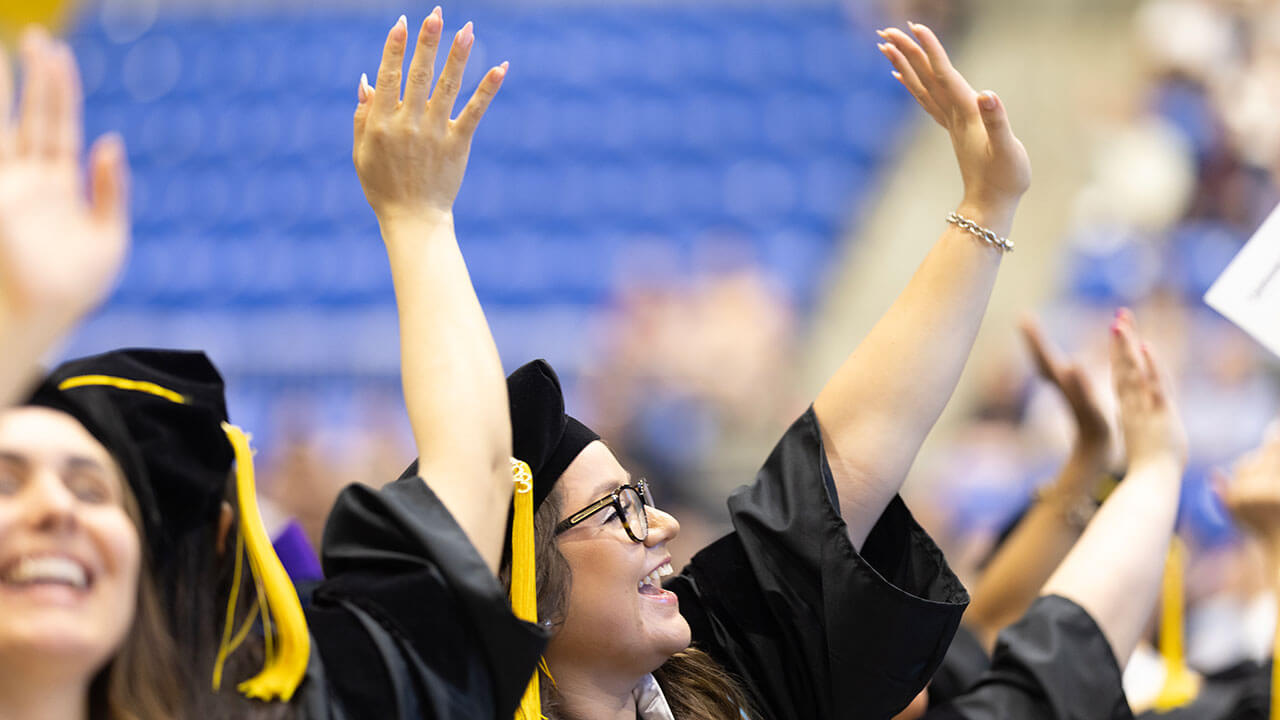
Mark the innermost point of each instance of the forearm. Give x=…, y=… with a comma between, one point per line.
x=1022, y=565
x=1114, y=571
x=878, y=407
x=454, y=387
x=26, y=340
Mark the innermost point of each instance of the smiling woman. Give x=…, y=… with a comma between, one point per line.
x=80, y=629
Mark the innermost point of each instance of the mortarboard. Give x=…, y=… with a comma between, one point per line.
x=162, y=416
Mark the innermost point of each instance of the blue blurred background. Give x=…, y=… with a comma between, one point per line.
x=680, y=205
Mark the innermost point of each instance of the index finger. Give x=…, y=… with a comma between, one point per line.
x=68, y=109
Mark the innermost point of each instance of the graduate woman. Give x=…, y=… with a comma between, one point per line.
x=828, y=600
x=81, y=630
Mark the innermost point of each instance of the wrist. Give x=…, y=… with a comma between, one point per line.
x=996, y=216
x=1160, y=462
x=416, y=223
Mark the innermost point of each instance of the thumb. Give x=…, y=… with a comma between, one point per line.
x=363, y=94
x=996, y=120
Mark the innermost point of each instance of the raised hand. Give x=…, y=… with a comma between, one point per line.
x=993, y=163
x=1094, y=431
x=409, y=153
x=1149, y=421
x=59, y=251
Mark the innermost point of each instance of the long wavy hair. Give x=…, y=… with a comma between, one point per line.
x=696, y=687
x=137, y=684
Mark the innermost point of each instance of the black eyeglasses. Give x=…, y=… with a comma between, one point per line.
x=628, y=501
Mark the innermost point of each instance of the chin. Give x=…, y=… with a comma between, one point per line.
x=675, y=637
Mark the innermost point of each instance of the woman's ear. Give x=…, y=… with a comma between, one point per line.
x=224, y=525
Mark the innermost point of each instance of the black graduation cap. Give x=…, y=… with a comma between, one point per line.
x=542, y=435
x=160, y=414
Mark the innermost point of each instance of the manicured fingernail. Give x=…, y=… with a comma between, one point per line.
x=1115, y=327
x=437, y=12
x=402, y=22
x=434, y=23
x=882, y=34
x=987, y=100
x=896, y=75
x=466, y=36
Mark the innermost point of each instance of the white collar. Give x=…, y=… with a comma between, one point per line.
x=651, y=704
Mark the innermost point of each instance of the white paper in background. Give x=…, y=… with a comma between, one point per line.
x=1248, y=291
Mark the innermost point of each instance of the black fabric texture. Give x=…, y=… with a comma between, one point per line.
x=964, y=664
x=407, y=594
x=813, y=628
x=1053, y=664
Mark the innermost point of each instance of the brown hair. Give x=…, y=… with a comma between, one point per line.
x=137, y=683
x=696, y=687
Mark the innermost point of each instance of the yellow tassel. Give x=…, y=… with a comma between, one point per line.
x=1180, y=684
x=524, y=590
x=288, y=644
x=1275, y=673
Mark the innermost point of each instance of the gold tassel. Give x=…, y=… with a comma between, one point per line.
x=524, y=590
x=288, y=644
x=1180, y=684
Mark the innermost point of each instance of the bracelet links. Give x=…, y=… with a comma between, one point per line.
x=1000, y=243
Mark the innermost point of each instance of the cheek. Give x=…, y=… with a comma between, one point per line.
x=120, y=548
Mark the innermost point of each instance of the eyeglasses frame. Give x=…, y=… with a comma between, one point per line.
x=641, y=488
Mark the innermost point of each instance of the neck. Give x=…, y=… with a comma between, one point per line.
x=24, y=697
x=587, y=695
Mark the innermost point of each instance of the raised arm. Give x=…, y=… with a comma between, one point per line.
x=1115, y=569
x=410, y=156
x=1017, y=571
x=59, y=251
x=878, y=407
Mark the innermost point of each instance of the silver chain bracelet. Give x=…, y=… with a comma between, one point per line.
x=987, y=236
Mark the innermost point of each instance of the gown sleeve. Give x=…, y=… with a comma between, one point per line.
x=810, y=626
x=1053, y=664
x=410, y=622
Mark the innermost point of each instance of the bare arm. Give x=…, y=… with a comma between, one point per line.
x=1114, y=571
x=878, y=407
x=59, y=251
x=1017, y=571
x=410, y=157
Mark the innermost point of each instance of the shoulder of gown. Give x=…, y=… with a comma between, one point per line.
x=811, y=626
x=410, y=622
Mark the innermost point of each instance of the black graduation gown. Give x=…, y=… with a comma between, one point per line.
x=1053, y=664
x=1242, y=692
x=813, y=628
x=964, y=664
x=410, y=623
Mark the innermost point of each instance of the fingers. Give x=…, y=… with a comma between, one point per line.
x=917, y=64
x=108, y=181
x=33, y=114
x=906, y=75
x=1126, y=364
x=386, y=95
x=470, y=116
x=418, y=87
x=66, y=99
x=947, y=77
x=440, y=109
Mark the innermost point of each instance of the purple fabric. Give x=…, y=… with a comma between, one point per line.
x=297, y=555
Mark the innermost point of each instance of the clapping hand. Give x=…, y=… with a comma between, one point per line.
x=1095, y=435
